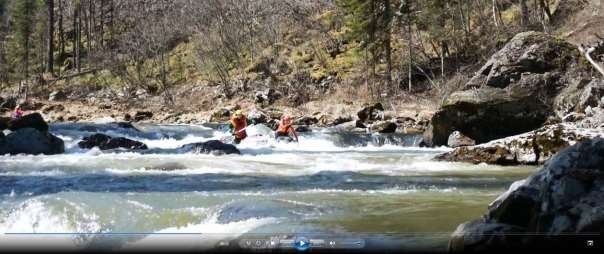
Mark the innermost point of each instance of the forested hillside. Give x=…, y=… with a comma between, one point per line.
x=304, y=50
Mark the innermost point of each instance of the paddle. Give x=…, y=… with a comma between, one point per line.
x=231, y=137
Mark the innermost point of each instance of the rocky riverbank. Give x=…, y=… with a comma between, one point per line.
x=559, y=207
x=533, y=98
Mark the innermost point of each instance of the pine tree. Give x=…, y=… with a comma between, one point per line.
x=23, y=17
x=3, y=32
x=370, y=22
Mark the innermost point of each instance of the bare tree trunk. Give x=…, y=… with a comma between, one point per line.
x=495, y=13
x=49, y=36
x=524, y=14
x=410, y=45
x=388, y=47
x=77, y=34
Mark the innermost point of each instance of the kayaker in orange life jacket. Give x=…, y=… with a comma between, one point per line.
x=237, y=126
x=285, y=128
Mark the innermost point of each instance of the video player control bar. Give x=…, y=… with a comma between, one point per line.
x=302, y=243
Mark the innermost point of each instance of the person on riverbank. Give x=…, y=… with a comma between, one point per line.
x=237, y=126
x=18, y=113
x=285, y=129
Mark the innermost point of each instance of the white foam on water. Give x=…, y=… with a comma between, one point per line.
x=204, y=234
x=139, y=204
x=34, y=216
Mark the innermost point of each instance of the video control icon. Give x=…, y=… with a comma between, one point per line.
x=302, y=243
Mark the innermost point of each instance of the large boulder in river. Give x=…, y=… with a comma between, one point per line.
x=105, y=142
x=511, y=94
x=533, y=147
x=31, y=141
x=34, y=120
x=564, y=198
x=4, y=123
x=215, y=147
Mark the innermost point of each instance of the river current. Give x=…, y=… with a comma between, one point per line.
x=379, y=187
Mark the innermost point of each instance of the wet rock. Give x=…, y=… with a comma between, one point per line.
x=340, y=120
x=31, y=141
x=564, y=197
x=57, y=96
x=142, y=115
x=371, y=113
x=534, y=147
x=306, y=120
x=105, y=142
x=511, y=94
x=34, y=120
x=4, y=121
x=457, y=139
x=72, y=118
x=214, y=147
x=303, y=128
x=383, y=127
x=356, y=126
x=257, y=116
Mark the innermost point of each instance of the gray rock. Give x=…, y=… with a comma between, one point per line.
x=34, y=120
x=31, y=141
x=57, y=96
x=371, y=113
x=257, y=116
x=383, y=127
x=457, y=139
x=105, y=142
x=211, y=147
x=142, y=115
x=511, y=94
x=564, y=197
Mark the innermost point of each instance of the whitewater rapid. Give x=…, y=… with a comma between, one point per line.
x=328, y=183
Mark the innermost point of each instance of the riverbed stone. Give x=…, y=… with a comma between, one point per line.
x=214, y=147
x=458, y=139
x=105, y=142
x=534, y=147
x=371, y=112
x=31, y=141
x=34, y=120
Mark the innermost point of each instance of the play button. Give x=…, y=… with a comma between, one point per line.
x=302, y=244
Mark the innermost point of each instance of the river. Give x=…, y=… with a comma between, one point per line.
x=382, y=188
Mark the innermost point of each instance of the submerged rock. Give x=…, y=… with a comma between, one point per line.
x=511, y=94
x=215, y=147
x=31, y=141
x=34, y=120
x=564, y=197
x=105, y=142
x=534, y=147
